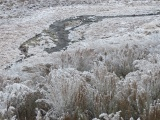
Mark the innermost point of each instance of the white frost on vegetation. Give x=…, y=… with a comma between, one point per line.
x=115, y=60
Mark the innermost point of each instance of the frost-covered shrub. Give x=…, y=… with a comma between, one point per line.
x=82, y=59
x=105, y=116
x=9, y=96
x=104, y=84
x=1, y=82
x=61, y=89
x=127, y=101
x=72, y=94
x=121, y=60
x=87, y=83
x=18, y=101
x=82, y=84
x=154, y=112
x=38, y=70
x=25, y=109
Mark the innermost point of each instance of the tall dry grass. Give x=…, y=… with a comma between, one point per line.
x=87, y=83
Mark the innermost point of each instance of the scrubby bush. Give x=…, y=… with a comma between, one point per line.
x=79, y=88
x=83, y=83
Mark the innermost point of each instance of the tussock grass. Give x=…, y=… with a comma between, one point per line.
x=87, y=83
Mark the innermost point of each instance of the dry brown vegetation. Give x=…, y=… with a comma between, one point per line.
x=82, y=89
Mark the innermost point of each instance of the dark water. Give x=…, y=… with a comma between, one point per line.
x=58, y=30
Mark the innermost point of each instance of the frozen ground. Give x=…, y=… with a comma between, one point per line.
x=15, y=31
x=46, y=47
